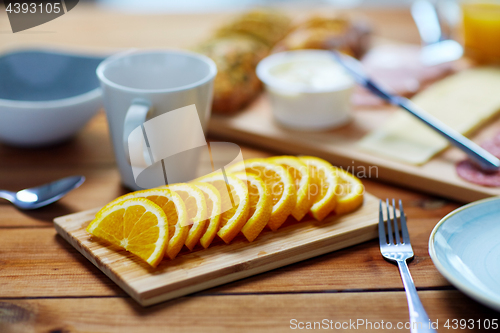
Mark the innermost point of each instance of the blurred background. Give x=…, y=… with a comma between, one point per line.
x=224, y=5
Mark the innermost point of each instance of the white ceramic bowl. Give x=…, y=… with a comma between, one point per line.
x=308, y=89
x=46, y=96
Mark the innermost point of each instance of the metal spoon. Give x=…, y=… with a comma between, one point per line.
x=483, y=158
x=437, y=49
x=36, y=197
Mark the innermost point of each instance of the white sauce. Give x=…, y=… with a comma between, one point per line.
x=311, y=74
x=308, y=89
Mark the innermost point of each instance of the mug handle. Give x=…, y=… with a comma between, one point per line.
x=136, y=116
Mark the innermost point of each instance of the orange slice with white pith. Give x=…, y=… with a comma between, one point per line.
x=260, y=205
x=175, y=209
x=299, y=172
x=234, y=203
x=349, y=194
x=213, y=200
x=196, y=209
x=279, y=184
x=136, y=225
x=323, y=188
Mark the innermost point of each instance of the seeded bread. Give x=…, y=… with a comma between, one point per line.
x=236, y=49
x=236, y=83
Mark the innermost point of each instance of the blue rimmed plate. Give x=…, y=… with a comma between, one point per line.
x=465, y=248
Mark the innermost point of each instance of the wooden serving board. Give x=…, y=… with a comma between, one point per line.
x=255, y=125
x=220, y=263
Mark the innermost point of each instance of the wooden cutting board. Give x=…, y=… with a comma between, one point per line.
x=220, y=263
x=255, y=125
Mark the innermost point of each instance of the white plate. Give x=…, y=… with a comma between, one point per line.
x=465, y=248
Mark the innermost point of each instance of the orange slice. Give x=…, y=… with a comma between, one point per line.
x=234, y=203
x=196, y=208
x=260, y=205
x=323, y=187
x=136, y=225
x=175, y=209
x=300, y=174
x=279, y=184
x=350, y=192
x=213, y=200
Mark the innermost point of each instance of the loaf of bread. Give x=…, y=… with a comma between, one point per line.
x=328, y=32
x=265, y=25
x=236, y=83
x=236, y=49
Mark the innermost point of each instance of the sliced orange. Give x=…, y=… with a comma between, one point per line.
x=279, y=184
x=323, y=187
x=213, y=199
x=260, y=205
x=176, y=212
x=234, y=203
x=196, y=208
x=300, y=174
x=349, y=193
x=136, y=225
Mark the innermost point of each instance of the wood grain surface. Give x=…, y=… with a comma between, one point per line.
x=47, y=286
x=235, y=313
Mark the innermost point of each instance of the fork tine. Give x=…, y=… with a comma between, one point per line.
x=382, y=237
x=396, y=229
x=389, y=222
x=404, y=229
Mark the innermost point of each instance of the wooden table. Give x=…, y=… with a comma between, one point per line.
x=47, y=286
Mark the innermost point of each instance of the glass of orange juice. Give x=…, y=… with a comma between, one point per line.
x=481, y=26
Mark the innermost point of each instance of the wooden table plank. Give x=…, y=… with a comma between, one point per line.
x=90, y=147
x=101, y=186
x=38, y=263
x=359, y=268
x=241, y=313
x=35, y=262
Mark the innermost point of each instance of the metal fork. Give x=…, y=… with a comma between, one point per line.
x=398, y=249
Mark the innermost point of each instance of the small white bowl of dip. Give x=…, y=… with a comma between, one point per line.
x=308, y=89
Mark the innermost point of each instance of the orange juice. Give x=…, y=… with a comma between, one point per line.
x=481, y=24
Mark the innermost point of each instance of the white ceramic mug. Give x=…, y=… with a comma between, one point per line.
x=141, y=85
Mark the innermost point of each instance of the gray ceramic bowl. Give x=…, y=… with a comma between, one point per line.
x=46, y=96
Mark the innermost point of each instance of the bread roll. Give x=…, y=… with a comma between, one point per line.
x=333, y=32
x=236, y=83
x=236, y=49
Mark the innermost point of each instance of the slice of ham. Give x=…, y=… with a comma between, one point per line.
x=469, y=171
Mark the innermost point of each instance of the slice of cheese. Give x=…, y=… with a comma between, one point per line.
x=464, y=101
